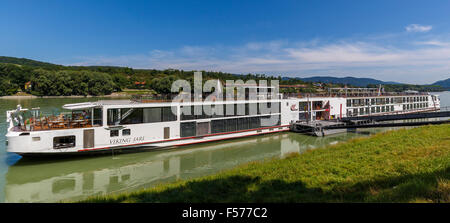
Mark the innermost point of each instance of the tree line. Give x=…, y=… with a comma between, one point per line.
x=53, y=82
x=57, y=80
x=411, y=87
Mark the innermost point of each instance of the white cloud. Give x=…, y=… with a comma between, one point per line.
x=343, y=53
x=433, y=43
x=422, y=62
x=271, y=45
x=418, y=28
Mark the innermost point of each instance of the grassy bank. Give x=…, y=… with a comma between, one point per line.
x=408, y=165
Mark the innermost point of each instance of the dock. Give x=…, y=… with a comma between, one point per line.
x=318, y=127
x=328, y=127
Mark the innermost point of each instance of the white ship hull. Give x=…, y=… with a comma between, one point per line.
x=46, y=149
x=106, y=137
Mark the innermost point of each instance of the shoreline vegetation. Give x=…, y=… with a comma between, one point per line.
x=126, y=93
x=20, y=75
x=404, y=165
x=24, y=76
x=122, y=94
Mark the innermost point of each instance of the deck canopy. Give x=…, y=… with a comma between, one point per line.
x=80, y=106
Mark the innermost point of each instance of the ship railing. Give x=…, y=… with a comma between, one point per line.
x=304, y=95
x=54, y=123
x=387, y=94
x=445, y=108
x=349, y=95
x=429, y=109
x=154, y=98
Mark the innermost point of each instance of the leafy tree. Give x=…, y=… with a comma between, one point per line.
x=100, y=84
x=52, y=79
x=6, y=87
x=121, y=81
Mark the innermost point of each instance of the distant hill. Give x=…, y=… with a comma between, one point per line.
x=28, y=62
x=354, y=81
x=443, y=83
x=98, y=80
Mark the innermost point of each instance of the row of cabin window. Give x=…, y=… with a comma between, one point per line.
x=415, y=99
x=125, y=116
x=381, y=101
x=413, y=106
x=198, y=111
x=188, y=129
x=373, y=101
x=365, y=111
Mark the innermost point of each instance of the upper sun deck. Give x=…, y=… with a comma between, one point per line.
x=152, y=101
x=161, y=102
x=371, y=92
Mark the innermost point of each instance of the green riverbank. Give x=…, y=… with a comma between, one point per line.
x=406, y=165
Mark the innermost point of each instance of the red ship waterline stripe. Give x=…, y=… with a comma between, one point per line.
x=193, y=137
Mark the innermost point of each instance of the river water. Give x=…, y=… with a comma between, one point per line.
x=70, y=179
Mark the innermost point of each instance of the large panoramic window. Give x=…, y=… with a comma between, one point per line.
x=255, y=122
x=199, y=113
x=217, y=111
x=231, y=125
x=236, y=124
x=230, y=110
x=268, y=108
x=187, y=129
x=126, y=116
x=217, y=126
x=168, y=115
x=242, y=123
x=187, y=112
x=62, y=142
x=131, y=116
x=152, y=115
x=98, y=116
x=113, y=116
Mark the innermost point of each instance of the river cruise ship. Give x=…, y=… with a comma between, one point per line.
x=109, y=125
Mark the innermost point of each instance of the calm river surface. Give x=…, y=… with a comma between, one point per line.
x=53, y=180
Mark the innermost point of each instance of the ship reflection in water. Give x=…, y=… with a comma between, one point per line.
x=77, y=178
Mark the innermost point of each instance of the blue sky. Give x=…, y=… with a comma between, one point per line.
x=406, y=41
